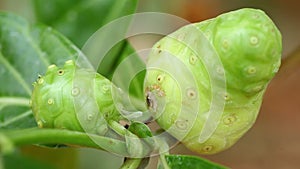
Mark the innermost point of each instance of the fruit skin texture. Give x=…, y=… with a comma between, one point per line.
x=63, y=99
x=249, y=47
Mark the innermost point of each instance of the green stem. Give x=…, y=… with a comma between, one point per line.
x=135, y=145
x=164, y=161
x=131, y=163
x=121, y=130
x=163, y=150
x=59, y=136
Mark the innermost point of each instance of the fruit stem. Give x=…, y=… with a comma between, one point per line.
x=59, y=136
x=131, y=163
x=163, y=150
x=121, y=130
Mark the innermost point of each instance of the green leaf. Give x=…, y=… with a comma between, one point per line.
x=79, y=19
x=187, y=162
x=17, y=160
x=129, y=61
x=26, y=51
x=140, y=129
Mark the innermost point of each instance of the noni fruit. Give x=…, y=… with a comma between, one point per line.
x=205, y=82
x=73, y=98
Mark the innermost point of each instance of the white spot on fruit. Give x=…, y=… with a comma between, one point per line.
x=220, y=70
x=191, y=93
x=230, y=119
x=50, y=101
x=193, y=59
x=226, y=97
x=253, y=40
x=90, y=117
x=60, y=72
x=158, y=49
x=105, y=88
x=225, y=44
x=207, y=148
x=69, y=62
x=51, y=67
x=160, y=78
x=181, y=124
x=40, y=80
x=181, y=36
x=75, y=91
x=251, y=70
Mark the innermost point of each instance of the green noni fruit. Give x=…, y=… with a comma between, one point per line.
x=73, y=98
x=183, y=77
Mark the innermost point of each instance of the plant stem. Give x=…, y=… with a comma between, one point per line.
x=164, y=161
x=163, y=150
x=117, y=127
x=60, y=136
x=131, y=163
x=135, y=146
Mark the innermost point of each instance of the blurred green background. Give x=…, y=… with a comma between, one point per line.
x=273, y=142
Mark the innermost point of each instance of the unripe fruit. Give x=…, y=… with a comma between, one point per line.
x=64, y=98
x=249, y=47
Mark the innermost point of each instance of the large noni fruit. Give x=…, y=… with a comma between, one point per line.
x=205, y=82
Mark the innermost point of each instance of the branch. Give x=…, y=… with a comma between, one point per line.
x=59, y=136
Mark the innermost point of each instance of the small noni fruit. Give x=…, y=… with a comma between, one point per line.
x=231, y=59
x=73, y=98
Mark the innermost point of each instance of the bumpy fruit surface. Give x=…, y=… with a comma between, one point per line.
x=248, y=45
x=73, y=98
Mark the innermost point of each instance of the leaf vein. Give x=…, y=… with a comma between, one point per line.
x=15, y=73
x=20, y=101
x=16, y=118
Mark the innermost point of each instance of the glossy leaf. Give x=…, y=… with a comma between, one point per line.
x=79, y=19
x=26, y=51
x=140, y=129
x=187, y=162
